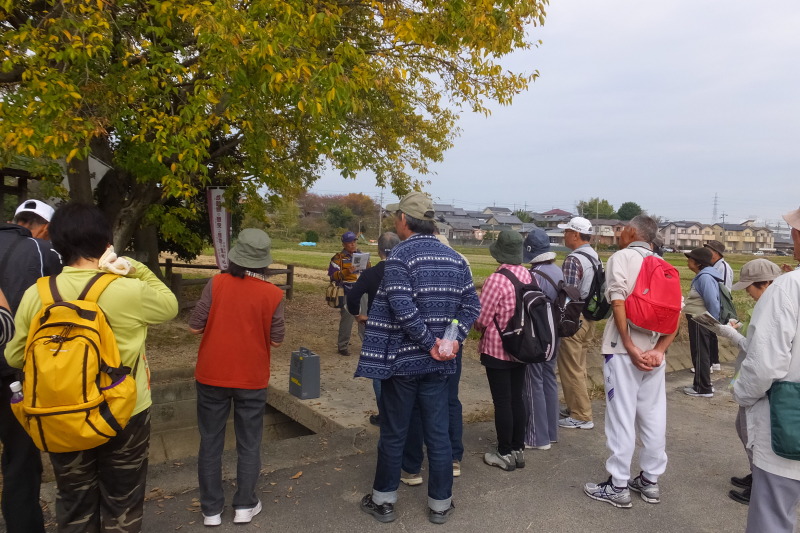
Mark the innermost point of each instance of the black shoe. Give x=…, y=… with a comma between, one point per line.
x=375, y=420
x=440, y=517
x=382, y=513
x=742, y=482
x=741, y=497
x=344, y=351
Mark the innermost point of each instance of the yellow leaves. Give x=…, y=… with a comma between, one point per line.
x=75, y=95
x=72, y=154
x=301, y=106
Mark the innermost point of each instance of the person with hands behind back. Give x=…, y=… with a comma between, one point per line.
x=425, y=286
x=634, y=379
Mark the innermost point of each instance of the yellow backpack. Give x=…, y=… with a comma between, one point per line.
x=76, y=393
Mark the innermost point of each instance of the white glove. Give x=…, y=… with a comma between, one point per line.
x=729, y=332
x=115, y=265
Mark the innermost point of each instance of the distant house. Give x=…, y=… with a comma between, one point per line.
x=509, y=220
x=685, y=234
x=607, y=230
x=744, y=238
x=465, y=229
x=494, y=210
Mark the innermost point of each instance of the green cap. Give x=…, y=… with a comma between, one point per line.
x=416, y=204
x=455, y=321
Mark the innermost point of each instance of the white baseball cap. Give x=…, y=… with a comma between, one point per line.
x=579, y=224
x=37, y=207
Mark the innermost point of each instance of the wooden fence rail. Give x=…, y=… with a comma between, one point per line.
x=177, y=282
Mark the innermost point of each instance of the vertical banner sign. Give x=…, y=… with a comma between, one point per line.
x=220, y=220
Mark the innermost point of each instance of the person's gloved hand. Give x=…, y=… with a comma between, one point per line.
x=115, y=265
x=729, y=332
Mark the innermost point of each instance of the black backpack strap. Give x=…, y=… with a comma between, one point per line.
x=590, y=258
x=517, y=285
x=545, y=276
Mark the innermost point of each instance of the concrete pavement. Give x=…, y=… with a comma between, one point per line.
x=314, y=483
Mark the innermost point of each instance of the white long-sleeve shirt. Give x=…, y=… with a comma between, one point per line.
x=773, y=354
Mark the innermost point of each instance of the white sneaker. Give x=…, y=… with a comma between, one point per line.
x=244, y=516
x=716, y=367
x=572, y=423
x=213, y=520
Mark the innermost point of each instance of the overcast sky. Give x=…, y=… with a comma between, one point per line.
x=661, y=103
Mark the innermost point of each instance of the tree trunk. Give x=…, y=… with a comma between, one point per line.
x=80, y=181
x=127, y=220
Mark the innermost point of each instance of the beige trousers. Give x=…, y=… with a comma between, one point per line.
x=572, y=371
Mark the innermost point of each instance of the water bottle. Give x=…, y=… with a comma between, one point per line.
x=450, y=335
x=16, y=392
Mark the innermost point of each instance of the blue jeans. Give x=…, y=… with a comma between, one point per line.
x=398, y=396
x=413, y=454
x=213, y=408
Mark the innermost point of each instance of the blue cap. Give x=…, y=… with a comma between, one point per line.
x=348, y=236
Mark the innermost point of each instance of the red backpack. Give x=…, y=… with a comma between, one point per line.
x=656, y=301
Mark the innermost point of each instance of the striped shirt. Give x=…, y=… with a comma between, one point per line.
x=498, y=301
x=6, y=326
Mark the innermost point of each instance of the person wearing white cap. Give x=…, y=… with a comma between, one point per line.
x=578, y=271
x=25, y=257
x=768, y=387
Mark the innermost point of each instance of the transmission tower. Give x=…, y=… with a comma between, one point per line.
x=716, y=204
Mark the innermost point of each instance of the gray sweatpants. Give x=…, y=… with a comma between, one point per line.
x=773, y=503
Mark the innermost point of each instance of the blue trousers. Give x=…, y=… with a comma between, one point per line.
x=413, y=454
x=399, y=394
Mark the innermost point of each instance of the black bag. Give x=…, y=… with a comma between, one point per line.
x=596, y=307
x=530, y=335
x=567, y=306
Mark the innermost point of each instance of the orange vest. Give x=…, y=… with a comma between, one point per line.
x=235, y=349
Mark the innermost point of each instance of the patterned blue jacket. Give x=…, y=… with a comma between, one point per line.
x=426, y=285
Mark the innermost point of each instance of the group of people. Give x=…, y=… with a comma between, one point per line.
x=425, y=285
x=240, y=316
x=102, y=488
x=405, y=303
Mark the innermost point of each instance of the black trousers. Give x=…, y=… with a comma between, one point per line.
x=700, y=340
x=22, y=471
x=103, y=489
x=507, y=387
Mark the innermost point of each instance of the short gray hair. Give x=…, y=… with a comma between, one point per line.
x=646, y=227
x=386, y=242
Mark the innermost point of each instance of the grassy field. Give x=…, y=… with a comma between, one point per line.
x=483, y=264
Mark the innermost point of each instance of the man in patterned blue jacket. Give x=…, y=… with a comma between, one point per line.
x=425, y=286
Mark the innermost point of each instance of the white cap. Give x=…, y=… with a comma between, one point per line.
x=38, y=207
x=579, y=224
x=15, y=386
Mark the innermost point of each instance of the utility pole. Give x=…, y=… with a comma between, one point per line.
x=723, y=215
x=380, y=215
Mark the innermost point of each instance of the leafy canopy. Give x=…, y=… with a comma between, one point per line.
x=596, y=208
x=175, y=95
x=628, y=210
